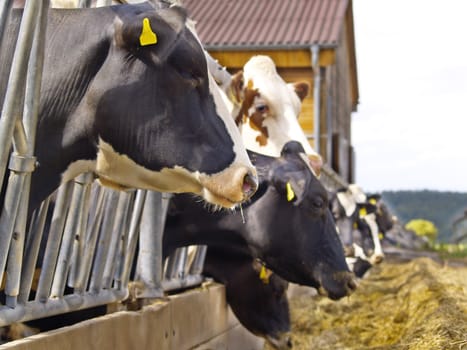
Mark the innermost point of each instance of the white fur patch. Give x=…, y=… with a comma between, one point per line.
x=284, y=105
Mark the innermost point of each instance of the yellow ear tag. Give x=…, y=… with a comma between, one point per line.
x=372, y=201
x=362, y=212
x=147, y=37
x=380, y=236
x=264, y=274
x=290, y=192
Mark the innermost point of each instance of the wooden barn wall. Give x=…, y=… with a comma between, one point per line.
x=293, y=75
x=340, y=107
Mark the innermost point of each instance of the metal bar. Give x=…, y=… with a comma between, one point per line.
x=150, y=254
x=24, y=139
x=72, y=223
x=188, y=281
x=103, y=242
x=84, y=3
x=173, y=263
x=5, y=8
x=91, y=238
x=8, y=216
x=15, y=256
x=32, y=247
x=196, y=267
x=16, y=81
x=116, y=238
x=30, y=117
x=316, y=96
x=54, y=238
x=123, y=247
x=80, y=232
x=72, y=302
x=132, y=237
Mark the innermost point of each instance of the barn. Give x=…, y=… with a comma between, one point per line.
x=310, y=40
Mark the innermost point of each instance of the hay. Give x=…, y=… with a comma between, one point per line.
x=419, y=305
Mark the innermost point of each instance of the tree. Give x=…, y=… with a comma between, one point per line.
x=423, y=228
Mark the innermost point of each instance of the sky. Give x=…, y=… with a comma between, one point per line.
x=410, y=128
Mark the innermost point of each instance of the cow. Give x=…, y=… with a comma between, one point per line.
x=361, y=219
x=287, y=224
x=266, y=108
x=139, y=114
x=256, y=295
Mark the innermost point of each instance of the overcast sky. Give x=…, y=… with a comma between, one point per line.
x=410, y=128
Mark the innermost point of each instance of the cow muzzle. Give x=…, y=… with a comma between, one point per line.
x=338, y=285
x=282, y=341
x=230, y=187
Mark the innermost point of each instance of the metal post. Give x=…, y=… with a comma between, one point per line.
x=197, y=264
x=116, y=238
x=5, y=8
x=150, y=252
x=103, y=243
x=135, y=224
x=74, y=215
x=32, y=250
x=89, y=244
x=54, y=238
x=16, y=81
x=316, y=96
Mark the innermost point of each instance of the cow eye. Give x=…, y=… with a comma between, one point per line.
x=191, y=78
x=318, y=203
x=262, y=108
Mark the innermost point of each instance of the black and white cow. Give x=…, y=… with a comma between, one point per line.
x=137, y=114
x=361, y=221
x=287, y=225
x=256, y=295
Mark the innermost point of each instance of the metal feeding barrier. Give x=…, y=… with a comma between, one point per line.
x=80, y=248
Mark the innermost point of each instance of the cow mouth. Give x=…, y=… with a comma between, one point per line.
x=282, y=341
x=337, y=285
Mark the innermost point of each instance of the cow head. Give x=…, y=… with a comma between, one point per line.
x=256, y=295
x=144, y=99
x=267, y=109
x=291, y=226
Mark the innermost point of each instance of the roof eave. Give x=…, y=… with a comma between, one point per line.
x=289, y=47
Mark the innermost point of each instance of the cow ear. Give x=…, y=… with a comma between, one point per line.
x=235, y=90
x=151, y=35
x=301, y=89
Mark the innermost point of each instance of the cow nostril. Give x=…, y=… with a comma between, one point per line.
x=351, y=285
x=250, y=185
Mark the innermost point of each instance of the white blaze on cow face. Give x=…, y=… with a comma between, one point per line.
x=273, y=115
x=378, y=254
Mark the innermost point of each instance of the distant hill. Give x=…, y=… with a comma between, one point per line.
x=442, y=208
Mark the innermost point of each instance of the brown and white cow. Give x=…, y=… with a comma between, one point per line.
x=266, y=108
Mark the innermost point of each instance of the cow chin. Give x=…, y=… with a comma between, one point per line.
x=226, y=189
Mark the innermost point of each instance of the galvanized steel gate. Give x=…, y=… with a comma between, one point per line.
x=91, y=234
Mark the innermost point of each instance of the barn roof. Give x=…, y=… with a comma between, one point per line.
x=253, y=24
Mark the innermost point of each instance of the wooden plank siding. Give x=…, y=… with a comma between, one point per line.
x=282, y=58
